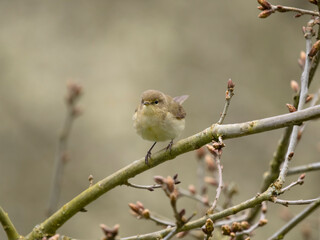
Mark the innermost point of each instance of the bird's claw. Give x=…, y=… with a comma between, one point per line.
x=147, y=157
x=169, y=146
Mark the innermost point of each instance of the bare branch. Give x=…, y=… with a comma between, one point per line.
x=294, y=221
x=8, y=226
x=148, y=187
x=300, y=181
x=302, y=99
x=74, y=92
x=304, y=168
x=217, y=155
x=294, y=202
x=229, y=94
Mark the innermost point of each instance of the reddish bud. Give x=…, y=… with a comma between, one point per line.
x=140, y=205
x=302, y=59
x=302, y=176
x=264, y=4
x=230, y=85
x=134, y=207
x=192, y=189
x=299, y=135
x=159, y=179
x=263, y=222
x=315, y=49
x=309, y=98
x=294, y=86
x=200, y=152
x=265, y=13
x=210, y=163
x=291, y=107
x=211, y=181
x=170, y=183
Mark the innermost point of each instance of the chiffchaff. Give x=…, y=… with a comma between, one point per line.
x=159, y=117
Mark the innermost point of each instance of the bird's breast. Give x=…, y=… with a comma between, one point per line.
x=162, y=126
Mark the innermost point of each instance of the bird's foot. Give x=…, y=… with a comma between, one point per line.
x=169, y=146
x=146, y=158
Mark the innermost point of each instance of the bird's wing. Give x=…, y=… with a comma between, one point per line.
x=180, y=99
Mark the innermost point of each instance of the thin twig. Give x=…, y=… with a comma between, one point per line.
x=231, y=220
x=301, y=11
x=295, y=202
x=197, y=197
x=294, y=221
x=171, y=234
x=8, y=226
x=304, y=168
x=303, y=95
x=147, y=187
x=229, y=94
x=161, y=221
x=220, y=184
x=300, y=181
x=74, y=92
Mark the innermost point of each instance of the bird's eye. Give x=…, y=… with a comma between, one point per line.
x=156, y=102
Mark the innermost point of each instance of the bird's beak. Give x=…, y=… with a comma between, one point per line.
x=146, y=103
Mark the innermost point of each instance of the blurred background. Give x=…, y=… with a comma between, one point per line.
x=116, y=50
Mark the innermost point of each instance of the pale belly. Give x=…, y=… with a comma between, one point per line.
x=158, y=128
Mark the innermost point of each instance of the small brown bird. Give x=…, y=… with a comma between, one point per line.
x=159, y=117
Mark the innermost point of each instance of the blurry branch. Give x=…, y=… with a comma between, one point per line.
x=300, y=181
x=303, y=95
x=294, y=221
x=216, y=150
x=8, y=226
x=55, y=221
x=295, y=202
x=229, y=95
x=201, y=199
x=304, y=168
x=267, y=9
x=147, y=187
x=73, y=94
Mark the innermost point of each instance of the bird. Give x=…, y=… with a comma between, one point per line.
x=159, y=118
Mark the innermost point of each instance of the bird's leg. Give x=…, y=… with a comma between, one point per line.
x=149, y=154
x=169, y=146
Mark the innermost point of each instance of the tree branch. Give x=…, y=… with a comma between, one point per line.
x=294, y=221
x=8, y=226
x=50, y=225
x=295, y=202
x=304, y=168
x=302, y=99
